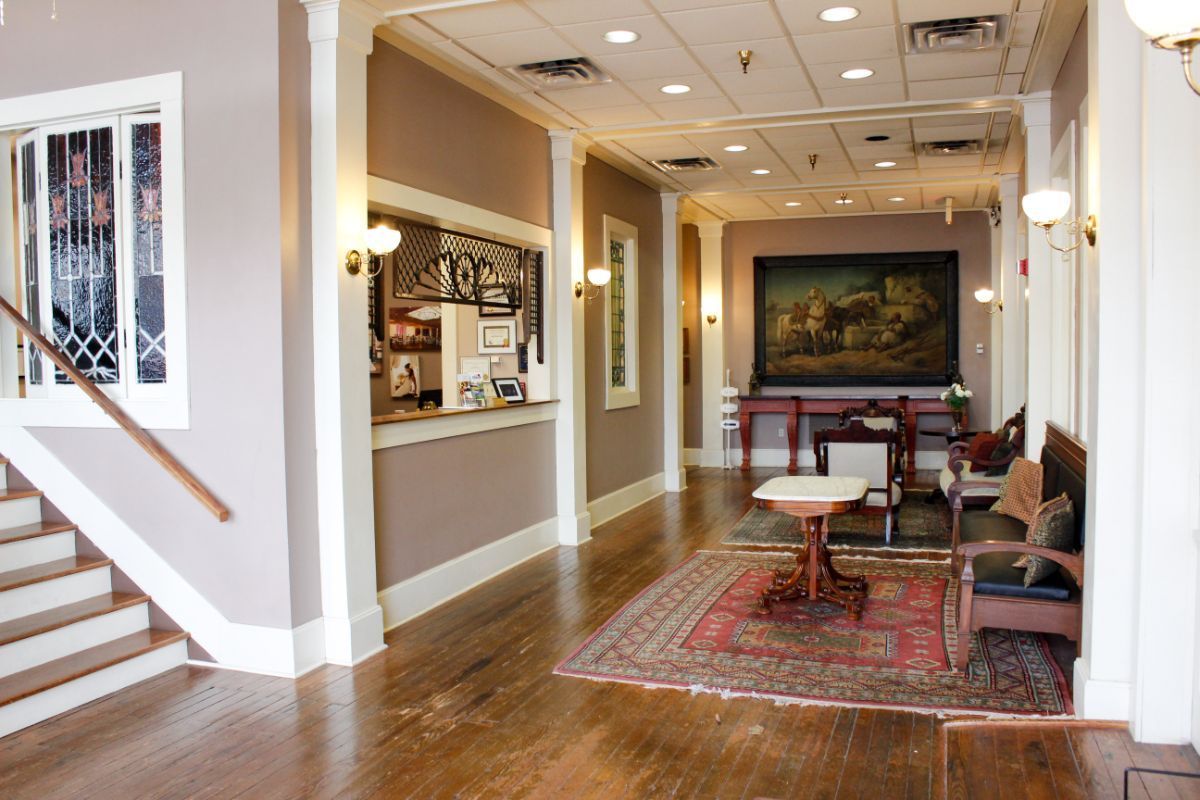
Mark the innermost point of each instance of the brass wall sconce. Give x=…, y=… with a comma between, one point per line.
x=1170, y=25
x=985, y=298
x=381, y=240
x=1047, y=208
x=597, y=277
x=712, y=319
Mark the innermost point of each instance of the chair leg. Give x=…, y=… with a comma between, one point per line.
x=966, y=597
x=887, y=529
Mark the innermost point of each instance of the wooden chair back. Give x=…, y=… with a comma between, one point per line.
x=852, y=438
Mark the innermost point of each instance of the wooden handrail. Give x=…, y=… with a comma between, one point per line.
x=145, y=440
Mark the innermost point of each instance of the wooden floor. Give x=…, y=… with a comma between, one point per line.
x=463, y=704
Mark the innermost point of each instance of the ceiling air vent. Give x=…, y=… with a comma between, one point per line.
x=564, y=73
x=954, y=35
x=957, y=147
x=695, y=164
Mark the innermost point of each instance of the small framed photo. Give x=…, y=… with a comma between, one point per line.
x=497, y=336
x=510, y=389
x=496, y=294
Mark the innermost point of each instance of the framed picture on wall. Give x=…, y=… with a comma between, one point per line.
x=510, y=389
x=497, y=294
x=497, y=336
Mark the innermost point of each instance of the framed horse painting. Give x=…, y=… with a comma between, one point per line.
x=878, y=319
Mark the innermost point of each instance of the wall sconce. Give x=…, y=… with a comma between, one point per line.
x=381, y=240
x=712, y=318
x=597, y=277
x=1047, y=208
x=1171, y=25
x=985, y=298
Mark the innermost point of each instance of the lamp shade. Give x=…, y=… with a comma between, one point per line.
x=599, y=276
x=1158, y=18
x=1047, y=206
x=984, y=295
x=382, y=240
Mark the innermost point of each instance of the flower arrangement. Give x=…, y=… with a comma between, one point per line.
x=957, y=396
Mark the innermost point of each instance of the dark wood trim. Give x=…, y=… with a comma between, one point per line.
x=1067, y=447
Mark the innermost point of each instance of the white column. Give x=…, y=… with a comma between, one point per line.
x=1035, y=112
x=568, y=155
x=340, y=37
x=672, y=266
x=1104, y=671
x=1010, y=288
x=712, y=338
x=1168, y=496
x=9, y=362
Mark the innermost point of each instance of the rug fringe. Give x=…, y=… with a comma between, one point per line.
x=787, y=554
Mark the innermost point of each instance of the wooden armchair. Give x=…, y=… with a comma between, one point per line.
x=859, y=451
x=965, y=489
x=873, y=416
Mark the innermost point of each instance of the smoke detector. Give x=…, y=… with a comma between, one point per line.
x=696, y=164
x=563, y=73
x=957, y=147
x=954, y=35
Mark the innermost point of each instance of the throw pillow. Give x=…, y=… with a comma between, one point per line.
x=1021, y=492
x=1053, y=526
x=981, y=447
x=1002, y=451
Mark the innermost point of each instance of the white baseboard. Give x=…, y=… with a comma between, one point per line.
x=1098, y=699
x=691, y=456
x=352, y=641
x=574, y=530
x=627, y=498
x=712, y=457
x=252, y=648
x=677, y=482
x=308, y=643
x=420, y=593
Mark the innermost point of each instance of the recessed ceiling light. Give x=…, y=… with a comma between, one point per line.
x=676, y=88
x=736, y=148
x=877, y=137
x=895, y=199
x=760, y=172
x=792, y=204
x=858, y=73
x=838, y=14
x=622, y=37
x=885, y=164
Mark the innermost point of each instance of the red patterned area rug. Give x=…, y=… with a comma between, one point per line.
x=696, y=628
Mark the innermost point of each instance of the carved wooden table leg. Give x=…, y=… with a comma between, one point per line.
x=744, y=419
x=814, y=577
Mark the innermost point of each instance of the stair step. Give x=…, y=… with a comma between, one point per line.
x=56, y=673
x=15, y=579
x=60, y=617
x=19, y=507
x=22, y=532
x=18, y=494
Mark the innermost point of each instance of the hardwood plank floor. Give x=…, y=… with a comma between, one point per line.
x=463, y=704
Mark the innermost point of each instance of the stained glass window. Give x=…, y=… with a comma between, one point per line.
x=146, y=256
x=83, y=251
x=29, y=252
x=616, y=264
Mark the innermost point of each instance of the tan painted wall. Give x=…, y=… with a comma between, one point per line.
x=623, y=445
x=693, y=390
x=969, y=235
x=438, y=500
x=238, y=272
x=429, y=132
x=1071, y=85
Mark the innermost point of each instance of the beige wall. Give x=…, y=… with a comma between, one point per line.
x=693, y=390
x=969, y=235
x=438, y=500
x=623, y=445
x=1070, y=87
x=427, y=131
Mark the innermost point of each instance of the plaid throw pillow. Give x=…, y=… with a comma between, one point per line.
x=1021, y=492
x=1053, y=526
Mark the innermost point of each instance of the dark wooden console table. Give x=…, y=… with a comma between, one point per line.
x=794, y=406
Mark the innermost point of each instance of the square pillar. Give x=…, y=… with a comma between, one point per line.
x=712, y=338
x=1039, y=377
x=672, y=265
x=1010, y=288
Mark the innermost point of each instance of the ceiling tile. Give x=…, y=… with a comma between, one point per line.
x=761, y=81
x=934, y=66
x=541, y=103
x=897, y=129
x=739, y=23
x=567, y=12
x=779, y=101
x=846, y=178
x=840, y=46
x=950, y=172
x=713, y=143
x=650, y=147
x=650, y=89
x=589, y=36
x=1024, y=27
x=952, y=89
x=695, y=109
x=866, y=167
x=864, y=95
x=954, y=132
x=684, y=5
x=800, y=136
x=890, y=151
x=620, y=115
x=503, y=80
x=1010, y=84
x=604, y=95
x=417, y=29
x=743, y=205
x=942, y=120
x=1018, y=59
x=650, y=64
x=911, y=202
x=801, y=16
x=929, y=10
x=767, y=54
x=829, y=76
x=522, y=47
x=480, y=20
x=827, y=201
x=1031, y=5
x=455, y=53
x=947, y=162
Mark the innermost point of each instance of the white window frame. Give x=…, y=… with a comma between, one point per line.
x=162, y=406
x=630, y=394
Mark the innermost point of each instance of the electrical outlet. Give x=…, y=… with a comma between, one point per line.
x=782, y=435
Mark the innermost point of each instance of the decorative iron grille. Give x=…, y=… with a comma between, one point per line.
x=436, y=265
x=535, y=271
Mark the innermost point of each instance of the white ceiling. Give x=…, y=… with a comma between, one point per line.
x=792, y=103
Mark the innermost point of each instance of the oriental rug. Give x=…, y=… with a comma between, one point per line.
x=923, y=526
x=696, y=628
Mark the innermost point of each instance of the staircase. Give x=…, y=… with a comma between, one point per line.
x=66, y=638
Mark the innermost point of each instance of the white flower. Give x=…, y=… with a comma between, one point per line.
x=969, y=393
x=944, y=395
x=959, y=391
